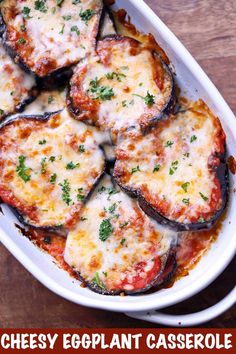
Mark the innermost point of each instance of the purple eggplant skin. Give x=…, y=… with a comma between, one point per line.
x=222, y=174
x=60, y=230
x=168, y=108
x=106, y=13
x=168, y=270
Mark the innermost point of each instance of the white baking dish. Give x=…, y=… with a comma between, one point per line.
x=194, y=84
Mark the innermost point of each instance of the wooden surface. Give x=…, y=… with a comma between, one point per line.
x=208, y=29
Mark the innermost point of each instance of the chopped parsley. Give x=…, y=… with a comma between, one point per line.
x=67, y=17
x=135, y=169
x=59, y=2
x=75, y=2
x=187, y=154
x=124, y=224
x=112, y=208
x=53, y=178
x=2, y=112
x=43, y=165
x=124, y=103
x=169, y=144
x=83, y=218
x=148, y=99
x=114, y=75
x=156, y=168
x=174, y=167
x=104, y=93
x=122, y=241
x=97, y=281
x=105, y=274
x=102, y=189
x=75, y=29
x=65, y=186
x=26, y=11
x=201, y=220
x=52, y=158
x=50, y=99
x=86, y=15
x=62, y=29
x=81, y=148
x=41, y=6
x=193, y=138
x=105, y=230
x=186, y=201
x=21, y=41
x=42, y=142
x=22, y=170
x=72, y=166
x=80, y=196
x=204, y=197
x=185, y=186
x=22, y=28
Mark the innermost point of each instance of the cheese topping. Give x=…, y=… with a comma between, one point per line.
x=48, y=168
x=174, y=167
x=49, y=36
x=116, y=242
x=124, y=86
x=15, y=84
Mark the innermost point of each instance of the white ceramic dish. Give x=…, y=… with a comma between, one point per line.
x=194, y=84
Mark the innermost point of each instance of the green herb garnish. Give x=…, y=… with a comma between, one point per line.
x=53, y=178
x=72, y=166
x=43, y=165
x=97, y=281
x=65, y=186
x=75, y=29
x=169, y=144
x=40, y=6
x=114, y=75
x=185, y=186
x=50, y=99
x=67, y=17
x=135, y=169
x=148, y=99
x=81, y=148
x=193, y=138
x=86, y=15
x=124, y=224
x=42, y=142
x=156, y=168
x=22, y=170
x=204, y=197
x=104, y=93
x=174, y=167
x=122, y=241
x=186, y=201
x=21, y=41
x=105, y=230
x=26, y=11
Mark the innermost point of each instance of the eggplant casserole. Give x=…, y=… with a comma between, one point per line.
x=113, y=174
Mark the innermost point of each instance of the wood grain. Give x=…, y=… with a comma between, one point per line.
x=208, y=29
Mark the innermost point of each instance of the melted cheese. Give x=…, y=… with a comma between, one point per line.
x=55, y=37
x=135, y=67
x=134, y=239
x=15, y=84
x=67, y=141
x=171, y=165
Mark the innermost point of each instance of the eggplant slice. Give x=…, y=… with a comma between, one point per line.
x=126, y=85
x=49, y=165
x=47, y=36
x=16, y=87
x=178, y=171
x=116, y=248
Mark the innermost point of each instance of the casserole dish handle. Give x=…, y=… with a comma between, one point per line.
x=189, y=320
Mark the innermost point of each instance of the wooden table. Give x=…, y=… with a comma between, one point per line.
x=208, y=29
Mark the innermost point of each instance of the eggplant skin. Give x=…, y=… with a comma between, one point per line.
x=188, y=188
x=44, y=191
x=69, y=26
x=115, y=243
x=138, y=102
